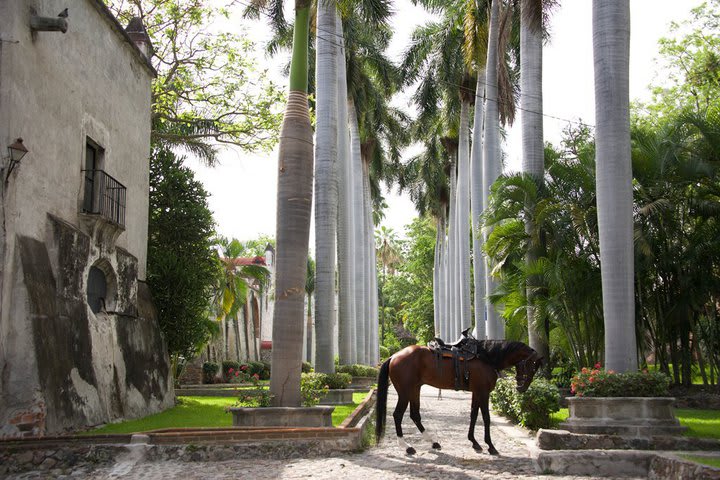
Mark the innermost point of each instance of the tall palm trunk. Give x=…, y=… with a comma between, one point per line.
x=533, y=151
x=346, y=241
x=492, y=167
x=476, y=183
x=309, y=331
x=367, y=149
x=463, y=210
x=361, y=294
x=453, y=254
x=295, y=170
x=438, y=289
x=326, y=191
x=446, y=320
x=611, y=50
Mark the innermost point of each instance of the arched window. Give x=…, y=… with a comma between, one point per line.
x=96, y=290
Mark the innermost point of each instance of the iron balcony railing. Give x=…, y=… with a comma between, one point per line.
x=104, y=196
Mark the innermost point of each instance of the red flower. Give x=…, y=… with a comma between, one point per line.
x=584, y=370
x=243, y=367
x=592, y=379
x=256, y=376
x=230, y=370
x=597, y=365
x=237, y=373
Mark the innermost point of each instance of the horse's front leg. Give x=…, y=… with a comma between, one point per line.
x=486, y=420
x=475, y=406
x=415, y=415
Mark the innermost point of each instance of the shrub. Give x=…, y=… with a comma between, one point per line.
x=598, y=382
x=531, y=409
x=265, y=374
x=312, y=388
x=210, y=369
x=358, y=370
x=226, y=366
x=306, y=367
x=384, y=352
x=335, y=381
x=259, y=368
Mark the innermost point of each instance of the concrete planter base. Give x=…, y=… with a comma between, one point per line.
x=626, y=416
x=338, y=396
x=363, y=382
x=282, y=416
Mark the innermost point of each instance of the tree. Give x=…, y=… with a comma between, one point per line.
x=182, y=268
x=202, y=96
x=295, y=171
x=309, y=291
x=611, y=50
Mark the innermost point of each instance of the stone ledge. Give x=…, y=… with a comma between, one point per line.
x=610, y=463
x=564, y=440
x=282, y=416
x=671, y=467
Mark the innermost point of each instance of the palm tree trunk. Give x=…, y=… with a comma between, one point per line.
x=463, y=212
x=361, y=294
x=346, y=240
x=370, y=264
x=437, y=276
x=447, y=289
x=309, y=332
x=295, y=171
x=533, y=151
x=476, y=182
x=326, y=188
x=611, y=50
x=491, y=152
x=454, y=300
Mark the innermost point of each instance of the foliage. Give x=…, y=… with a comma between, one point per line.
x=203, y=95
x=259, y=396
x=358, y=370
x=260, y=368
x=531, y=409
x=598, y=382
x=700, y=423
x=336, y=380
x=210, y=369
x=306, y=367
x=227, y=366
x=181, y=266
x=312, y=388
x=409, y=291
x=384, y=353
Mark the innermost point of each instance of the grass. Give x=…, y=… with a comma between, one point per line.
x=711, y=461
x=202, y=412
x=699, y=422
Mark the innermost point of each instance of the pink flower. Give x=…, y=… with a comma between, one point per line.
x=243, y=367
x=256, y=376
x=610, y=372
x=598, y=366
x=230, y=370
x=237, y=373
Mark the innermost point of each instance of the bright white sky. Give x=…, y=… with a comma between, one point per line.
x=243, y=187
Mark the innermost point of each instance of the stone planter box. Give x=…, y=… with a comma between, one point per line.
x=282, y=416
x=626, y=416
x=338, y=396
x=363, y=382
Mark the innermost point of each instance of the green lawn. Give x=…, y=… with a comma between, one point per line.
x=711, y=461
x=699, y=423
x=202, y=412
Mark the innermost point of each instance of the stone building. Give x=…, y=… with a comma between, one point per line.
x=79, y=340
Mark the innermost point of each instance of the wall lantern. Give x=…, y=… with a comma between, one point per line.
x=16, y=152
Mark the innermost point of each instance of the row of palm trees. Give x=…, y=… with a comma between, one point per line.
x=483, y=30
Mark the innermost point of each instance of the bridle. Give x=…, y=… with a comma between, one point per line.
x=524, y=373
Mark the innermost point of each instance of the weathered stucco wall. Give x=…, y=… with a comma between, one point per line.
x=63, y=367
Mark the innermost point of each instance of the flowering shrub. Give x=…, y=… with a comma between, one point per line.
x=312, y=388
x=358, y=370
x=531, y=409
x=335, y=380
x=598, y=382
x=228, y=365
x=257, y=397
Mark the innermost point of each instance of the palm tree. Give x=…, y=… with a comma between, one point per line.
x=531, y=38
x=309, y=291
x=611, y=50
x=295, y=171
x=326, y=185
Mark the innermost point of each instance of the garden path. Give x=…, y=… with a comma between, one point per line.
x=447, y=417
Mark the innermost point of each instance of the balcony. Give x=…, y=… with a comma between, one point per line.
x=104, y=196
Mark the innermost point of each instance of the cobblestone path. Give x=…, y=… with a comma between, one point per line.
x=448, y=418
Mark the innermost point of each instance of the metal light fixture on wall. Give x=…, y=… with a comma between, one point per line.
x=16, y=152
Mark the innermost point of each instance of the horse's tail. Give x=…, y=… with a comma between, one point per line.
x=382, y=393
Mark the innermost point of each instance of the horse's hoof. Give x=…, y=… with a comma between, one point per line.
x=492, y=451
x=410, y=451
x=436, y=446
x=477, y=447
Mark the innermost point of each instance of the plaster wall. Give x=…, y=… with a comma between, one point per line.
x=63, y=367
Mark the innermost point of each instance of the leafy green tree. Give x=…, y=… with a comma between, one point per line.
x=203, y=95
x=182, y=267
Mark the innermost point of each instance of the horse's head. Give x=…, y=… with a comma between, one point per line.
x=526, y=368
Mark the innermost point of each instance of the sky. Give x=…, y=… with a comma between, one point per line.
x=243, y=186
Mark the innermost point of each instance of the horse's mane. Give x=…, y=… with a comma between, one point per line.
x=496, y=350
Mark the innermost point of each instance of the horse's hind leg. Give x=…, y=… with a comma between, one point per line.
x=415, y=415
x=398, y=416
x=475, y=406
x=486, y=420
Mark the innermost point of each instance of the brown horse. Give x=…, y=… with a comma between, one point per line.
x=415, y=366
